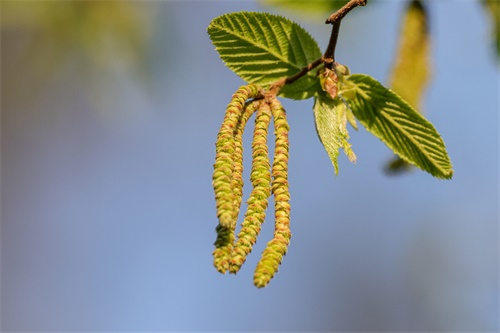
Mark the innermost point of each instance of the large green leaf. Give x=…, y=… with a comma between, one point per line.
x=397, y=124
x=330, y=116
x=262, y=48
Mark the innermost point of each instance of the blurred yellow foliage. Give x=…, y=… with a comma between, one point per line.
x=101, y=41
x=92, y=28
x=493, y=6
x=411, y=71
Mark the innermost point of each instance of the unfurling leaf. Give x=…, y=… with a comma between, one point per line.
x=330, y=116
x=387, y=116
x=262, y=48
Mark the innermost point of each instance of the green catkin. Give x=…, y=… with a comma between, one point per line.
x=260, y=177
x=224, y=159
x=225, y=236
x=277, y=247
x=228, y=168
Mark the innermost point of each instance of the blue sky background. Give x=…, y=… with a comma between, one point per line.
x=108, y=214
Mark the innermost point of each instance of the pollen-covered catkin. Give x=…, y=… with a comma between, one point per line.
x=225, y=234
x=224, y=159
x=277, y=247
x=260, y=177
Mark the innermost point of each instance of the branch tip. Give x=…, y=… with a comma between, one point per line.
x=339, y=14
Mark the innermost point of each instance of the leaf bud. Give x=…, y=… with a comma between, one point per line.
x=329, y=81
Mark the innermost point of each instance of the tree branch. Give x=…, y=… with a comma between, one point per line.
x=335, y=20
x=339, y=14
x=304, y=71
x=329, y=56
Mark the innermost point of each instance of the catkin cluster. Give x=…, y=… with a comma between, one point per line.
x=230, y=252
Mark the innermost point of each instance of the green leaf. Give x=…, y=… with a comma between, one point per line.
x=330, y=116
x=397, y=124
x=262, y=48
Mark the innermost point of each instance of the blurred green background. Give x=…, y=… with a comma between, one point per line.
x=109, y=114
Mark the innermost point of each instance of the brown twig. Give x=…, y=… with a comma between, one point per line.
x=339, y=14
x=329, y=55
x=276, y=86
x=335, y=20
x=304, y=71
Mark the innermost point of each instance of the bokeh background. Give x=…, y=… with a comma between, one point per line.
x=109, y=116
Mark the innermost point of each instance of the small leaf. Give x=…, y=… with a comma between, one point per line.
x=397, y=124
x=262, y=48
x=330, y=116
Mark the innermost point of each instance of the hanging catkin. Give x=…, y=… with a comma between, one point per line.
x=229, y=168
x=225, y=235
x=277, y=247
